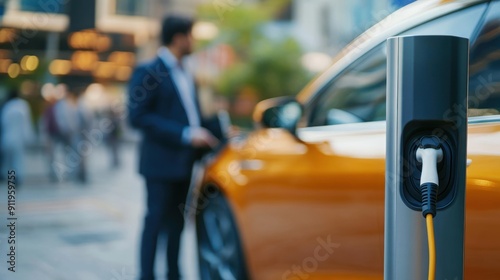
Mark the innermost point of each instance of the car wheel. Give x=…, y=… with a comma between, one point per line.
x=219, y=248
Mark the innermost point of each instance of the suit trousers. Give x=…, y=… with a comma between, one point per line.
x=165, y=214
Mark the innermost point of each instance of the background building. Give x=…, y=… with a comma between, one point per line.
x=50, y=41
x=46, y=42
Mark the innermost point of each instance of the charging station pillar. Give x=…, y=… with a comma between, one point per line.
x=427, y=85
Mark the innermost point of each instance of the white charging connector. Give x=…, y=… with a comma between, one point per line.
x=429, y=157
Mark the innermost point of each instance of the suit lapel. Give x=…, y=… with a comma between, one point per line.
x=163, y=88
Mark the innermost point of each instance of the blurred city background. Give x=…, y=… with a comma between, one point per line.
x=80, y=206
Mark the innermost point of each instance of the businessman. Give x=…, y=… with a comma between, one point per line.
x=163, y=106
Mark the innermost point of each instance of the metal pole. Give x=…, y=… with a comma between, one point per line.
x=427, y=88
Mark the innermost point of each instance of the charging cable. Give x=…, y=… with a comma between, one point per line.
x=429, y=153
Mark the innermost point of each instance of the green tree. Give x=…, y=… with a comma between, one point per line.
x=269, y=66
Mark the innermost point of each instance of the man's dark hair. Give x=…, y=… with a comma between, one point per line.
x=175, y=24
x=76, y=85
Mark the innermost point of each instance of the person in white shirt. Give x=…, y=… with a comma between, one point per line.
x=17, y=134
x=72, y=120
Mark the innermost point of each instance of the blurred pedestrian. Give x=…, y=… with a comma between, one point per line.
x=50, y=129
x=163, y=105
x=113, y=136
x=17, y=134
x=72, y=120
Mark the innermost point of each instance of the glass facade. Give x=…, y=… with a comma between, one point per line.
x=122, y=7
x=43, y=6
x=132, y=7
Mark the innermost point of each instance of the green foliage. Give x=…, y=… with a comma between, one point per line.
x=272, y=69
x=270, y=66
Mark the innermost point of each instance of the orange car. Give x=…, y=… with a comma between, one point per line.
x=302, y=197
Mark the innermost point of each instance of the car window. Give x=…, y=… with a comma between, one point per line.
x=484, y=85
x=358, y=93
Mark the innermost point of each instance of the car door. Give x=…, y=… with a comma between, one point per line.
x=482, y=245
x=317, y=212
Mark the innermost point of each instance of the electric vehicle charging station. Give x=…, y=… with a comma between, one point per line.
x=427, y=87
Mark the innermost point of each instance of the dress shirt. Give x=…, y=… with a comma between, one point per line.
x=184, y=83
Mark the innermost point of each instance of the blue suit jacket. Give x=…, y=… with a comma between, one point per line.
x=155, y=108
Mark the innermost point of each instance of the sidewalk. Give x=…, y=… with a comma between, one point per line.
x=72, y=231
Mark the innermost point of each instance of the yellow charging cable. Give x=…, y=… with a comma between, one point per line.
x=432, y=246
x=429, y=153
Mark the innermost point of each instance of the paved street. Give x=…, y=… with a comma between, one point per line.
x=73, y=231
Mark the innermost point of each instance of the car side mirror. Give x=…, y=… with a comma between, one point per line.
x=279, y=112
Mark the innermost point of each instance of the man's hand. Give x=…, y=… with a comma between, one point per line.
x=202, y=138
x=233, y=132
